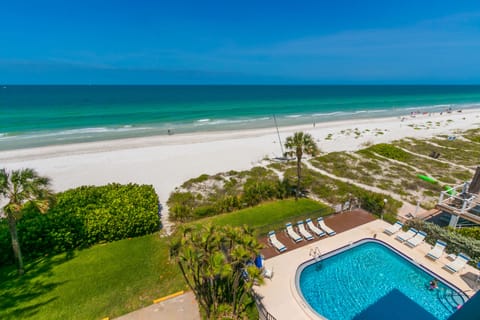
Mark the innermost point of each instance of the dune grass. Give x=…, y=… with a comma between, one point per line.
x=103, y=281
x=270, y=215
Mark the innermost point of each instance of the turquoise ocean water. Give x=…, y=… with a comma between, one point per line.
x=33, y=116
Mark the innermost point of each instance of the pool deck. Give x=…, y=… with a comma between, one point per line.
x=281, y=298
x=340, y=222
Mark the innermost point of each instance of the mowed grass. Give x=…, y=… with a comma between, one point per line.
x=103, y=281
x=270, y=215
x=113, y=279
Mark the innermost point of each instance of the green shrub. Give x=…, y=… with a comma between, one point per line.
x=471, y=232
x=84, y=216
x=234, y=191
x=456, y=242
x=6, y=252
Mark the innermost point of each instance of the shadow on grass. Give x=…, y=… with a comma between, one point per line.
x=23, y=296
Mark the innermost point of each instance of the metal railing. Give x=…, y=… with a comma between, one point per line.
x=263, y=313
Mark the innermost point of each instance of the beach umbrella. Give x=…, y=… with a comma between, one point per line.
x=259, y=261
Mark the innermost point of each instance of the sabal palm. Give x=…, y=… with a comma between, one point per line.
x=19, y=187
x=297, y=145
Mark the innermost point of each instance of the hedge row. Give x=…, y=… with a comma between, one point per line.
x=456, y=242
x=82, y=217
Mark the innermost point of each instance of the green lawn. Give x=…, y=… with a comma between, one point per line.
x=104, y=281
x=113, y=279
x=271, y=215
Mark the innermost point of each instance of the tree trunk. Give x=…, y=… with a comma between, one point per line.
x=15, y=245
x=299, y=163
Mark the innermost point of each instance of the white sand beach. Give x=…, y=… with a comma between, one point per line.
x=167, y=161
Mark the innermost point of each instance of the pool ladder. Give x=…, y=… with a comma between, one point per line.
x=315, y=253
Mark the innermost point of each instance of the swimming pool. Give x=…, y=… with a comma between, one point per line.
x=369, y=279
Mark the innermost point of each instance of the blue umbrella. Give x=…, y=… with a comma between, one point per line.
x=259, y=261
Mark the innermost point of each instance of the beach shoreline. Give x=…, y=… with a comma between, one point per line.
x=167, y=161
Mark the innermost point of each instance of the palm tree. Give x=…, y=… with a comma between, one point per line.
x=20, y=187
x=214, y=263
x=297, y=145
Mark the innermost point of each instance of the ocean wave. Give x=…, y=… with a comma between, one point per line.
x=335, y=113
x=203, y=120
x=72, y=132
x=294, y=116
x=344, y=113
x=229, y=121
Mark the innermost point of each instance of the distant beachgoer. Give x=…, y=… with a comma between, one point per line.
x=170, y=132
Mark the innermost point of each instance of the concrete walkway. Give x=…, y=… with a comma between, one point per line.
x=183, y=307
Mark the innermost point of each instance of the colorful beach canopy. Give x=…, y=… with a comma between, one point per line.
x=427, y=178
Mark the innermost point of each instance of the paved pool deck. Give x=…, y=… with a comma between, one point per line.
x=281, y=298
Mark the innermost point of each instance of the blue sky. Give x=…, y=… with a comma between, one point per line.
x=230, y=42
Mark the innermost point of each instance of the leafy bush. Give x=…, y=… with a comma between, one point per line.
x=6, y=252
x=111, y=212
x=82, y=217
x=225, y=192
x=456, y=242
x=473, y=232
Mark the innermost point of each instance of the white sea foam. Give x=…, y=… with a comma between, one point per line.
x=329, y=114
x=229, y=121
x=81, y=133
x=294, y=116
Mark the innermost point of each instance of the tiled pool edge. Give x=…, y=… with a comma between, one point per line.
x=279, y=295
x=303, y=302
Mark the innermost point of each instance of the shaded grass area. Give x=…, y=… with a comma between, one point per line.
x=105, y=280
x=271, y=215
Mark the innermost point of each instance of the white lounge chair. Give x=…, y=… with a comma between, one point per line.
x=303, y=231
x=404, y=236
x=314, y=228
x=458, y=264
x=324, y=227
x=272, y=238
x=267, y=273
x=416, y=240
x=292, y=234
x=394, y=228
x=437, y=250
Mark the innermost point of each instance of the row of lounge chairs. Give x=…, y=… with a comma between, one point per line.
x=413, y=238
x=319, y=230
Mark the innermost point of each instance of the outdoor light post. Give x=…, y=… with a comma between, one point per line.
x=384, y=206
x=417, y=208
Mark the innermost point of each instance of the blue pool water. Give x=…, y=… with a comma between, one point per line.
x=370, y=280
